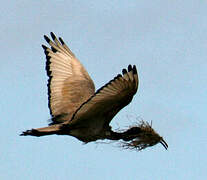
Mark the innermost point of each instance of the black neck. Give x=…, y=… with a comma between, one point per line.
x=126, y=136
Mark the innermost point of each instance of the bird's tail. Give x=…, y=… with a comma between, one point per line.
x=54, y=129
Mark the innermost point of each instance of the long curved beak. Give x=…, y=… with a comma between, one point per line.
x=164, y=143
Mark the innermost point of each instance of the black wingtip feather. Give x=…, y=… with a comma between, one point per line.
x=129, y=68
x=124, y=71
x=46, y=53
x=53, y=49
x=47, y=38
x=49, y=93
x=47, y=67
x=48, y=59
x=62, y=42
x=44, y=47
x=118, y=76
x=53, y=35
x=134, y=69
x=49, y=82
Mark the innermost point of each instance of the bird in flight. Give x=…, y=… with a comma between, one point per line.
x=80, y=111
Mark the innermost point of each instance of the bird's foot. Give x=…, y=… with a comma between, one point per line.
x=32, y=132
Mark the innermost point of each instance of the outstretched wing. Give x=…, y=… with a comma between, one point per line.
x=69, y=84
x=109, y=99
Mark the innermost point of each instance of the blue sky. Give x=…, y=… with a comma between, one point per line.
x=167, y=40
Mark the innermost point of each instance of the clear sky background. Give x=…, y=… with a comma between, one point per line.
x=167, y=40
